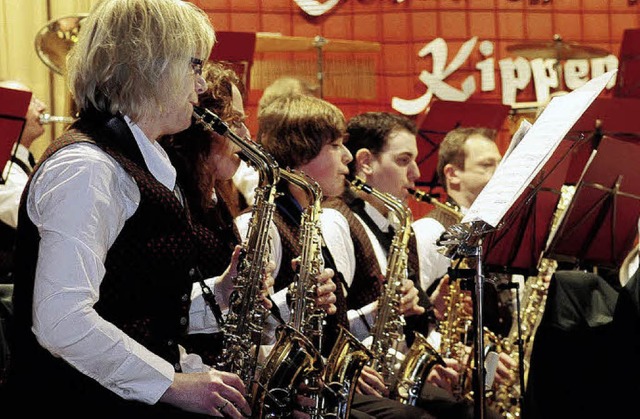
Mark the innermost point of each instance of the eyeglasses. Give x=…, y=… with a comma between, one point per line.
x=196, y=66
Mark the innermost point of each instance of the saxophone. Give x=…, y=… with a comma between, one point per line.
x=508, y=396
x=295, y=359
x=245, y=319
x=387, y=330
x=422, y=356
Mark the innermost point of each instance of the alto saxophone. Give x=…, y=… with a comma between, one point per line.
x=295, y=359
x=422, y=356
x=245, y=319
x=387, y=331
x=508, y=396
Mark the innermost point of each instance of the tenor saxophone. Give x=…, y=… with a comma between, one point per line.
x=295, y=359
x=388, y=329
x=245, y=319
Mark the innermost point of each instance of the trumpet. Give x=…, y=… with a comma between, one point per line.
x=46, y=118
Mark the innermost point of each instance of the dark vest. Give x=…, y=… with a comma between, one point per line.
x=367, y=268
x=145, y=291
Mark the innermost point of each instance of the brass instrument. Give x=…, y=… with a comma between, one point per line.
x=246, y=316
x=413, y=371
x=46, y=118
x=422, y=196
x=342, y=370
x=52, y=44
x=296, y=357
x=387, y=331
x=506, y=398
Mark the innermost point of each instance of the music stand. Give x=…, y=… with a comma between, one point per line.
x=606, y=116
x=14, y=104
x=628, y=81
x=237, y=49
x=442, y=117
x=517, y=249
x=600, y=225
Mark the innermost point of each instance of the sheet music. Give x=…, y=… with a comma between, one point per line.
x=524, y=127
x=522, y=164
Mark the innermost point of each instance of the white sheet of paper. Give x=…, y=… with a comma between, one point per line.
x=526, y=159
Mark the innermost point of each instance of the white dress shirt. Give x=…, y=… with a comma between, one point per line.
x=433, y=264
x=15, y=181
x=79, y=201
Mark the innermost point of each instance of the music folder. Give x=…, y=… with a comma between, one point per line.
x=14, y=104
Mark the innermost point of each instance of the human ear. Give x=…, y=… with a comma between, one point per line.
x=363, y=159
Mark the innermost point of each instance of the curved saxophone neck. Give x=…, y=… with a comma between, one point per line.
x=393, y=204
x=422, y=196
x=251, y=152
x=310, y=187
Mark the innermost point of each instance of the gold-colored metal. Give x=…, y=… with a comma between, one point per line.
x=245, y=319
x=558, y=49
x=388, y=329
x=55, y=39
x=413, y=371
x=342, y=370
x=296, y=359
x=506, y=398
x=422, y=196
x=45, y=118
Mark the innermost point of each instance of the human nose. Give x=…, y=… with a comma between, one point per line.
x=200, y=84
x=414, y=171
x=346, y=154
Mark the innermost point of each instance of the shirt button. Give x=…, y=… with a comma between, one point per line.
x=185, y=297
x=177, y=366
x=192, y=272
x=170, y=342
x=183, y=320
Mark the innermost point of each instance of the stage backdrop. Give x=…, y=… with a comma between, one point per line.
x=407, y=54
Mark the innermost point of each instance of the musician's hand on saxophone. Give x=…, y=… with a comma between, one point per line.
x=409, y=303
x=325, y=292
x=325, y=288
x=225, y=282
x=445, y=377
x=441, y=295
x=506, y=369
x=371, y=383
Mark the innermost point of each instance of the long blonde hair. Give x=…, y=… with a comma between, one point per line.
x=129, y=51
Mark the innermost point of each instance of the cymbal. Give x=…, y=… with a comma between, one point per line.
x=558, y=49
x=273, y=42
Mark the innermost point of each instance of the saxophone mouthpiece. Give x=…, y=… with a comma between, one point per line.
x=359, y=184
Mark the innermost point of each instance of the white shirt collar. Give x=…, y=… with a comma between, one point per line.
x=154, y=156
x=22, y=153
x=381, y=221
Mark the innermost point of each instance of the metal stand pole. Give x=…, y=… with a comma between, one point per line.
x=320, y=42
x=479, y=382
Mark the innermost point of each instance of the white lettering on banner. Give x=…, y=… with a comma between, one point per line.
x=515, y=74
x=318, y=8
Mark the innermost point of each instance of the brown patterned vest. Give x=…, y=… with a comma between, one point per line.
x=362, y=292
x=145, y=290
